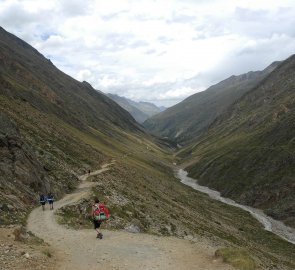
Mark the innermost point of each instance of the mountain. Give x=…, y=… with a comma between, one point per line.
x=139, y=110
x=125, y=103
x=148, y=108
x=248, y=151
x=190, y=118
x=52, y=128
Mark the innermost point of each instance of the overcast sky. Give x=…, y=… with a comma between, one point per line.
x=158, y=51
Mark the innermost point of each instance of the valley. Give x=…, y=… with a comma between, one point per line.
x=245, y=150
x=54, y=129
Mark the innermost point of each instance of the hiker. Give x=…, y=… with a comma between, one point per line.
x=50, y=200
x=99, y=213
x=88, y=172
x=42, y=200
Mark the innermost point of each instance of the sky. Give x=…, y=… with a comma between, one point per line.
x=160, y=51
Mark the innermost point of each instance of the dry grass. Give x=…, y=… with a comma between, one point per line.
x=238, y=258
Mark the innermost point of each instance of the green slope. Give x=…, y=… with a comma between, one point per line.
x=190, y=118
x=249, y=152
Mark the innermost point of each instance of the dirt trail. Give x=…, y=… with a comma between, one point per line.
x=80, y=250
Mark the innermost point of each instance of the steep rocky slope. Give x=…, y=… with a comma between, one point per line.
x=28, y=76
x=190, y=118
x=48, y=120
x=248, y=153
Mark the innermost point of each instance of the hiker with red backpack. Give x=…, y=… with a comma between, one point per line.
x=99, y=213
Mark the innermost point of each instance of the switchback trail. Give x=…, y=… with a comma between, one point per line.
x=80, y=250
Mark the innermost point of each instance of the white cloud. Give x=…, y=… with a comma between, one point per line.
x=84, y=75
x=158, y=50
x=178, y=93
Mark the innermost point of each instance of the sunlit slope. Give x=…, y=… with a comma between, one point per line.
x=249, y=152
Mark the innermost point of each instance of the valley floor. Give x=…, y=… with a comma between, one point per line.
x=79, y=249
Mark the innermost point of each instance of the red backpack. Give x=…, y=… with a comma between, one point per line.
x=101, y=212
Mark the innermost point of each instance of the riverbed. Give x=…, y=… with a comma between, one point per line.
x=275, y=226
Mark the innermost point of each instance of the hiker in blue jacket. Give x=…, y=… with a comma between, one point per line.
x=42, y=201
x=50, y=200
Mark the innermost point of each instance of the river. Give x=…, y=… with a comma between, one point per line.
x=275, y=226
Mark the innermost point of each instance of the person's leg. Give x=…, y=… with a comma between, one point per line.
x=50, y=204
x=99, y=233
x=97, y=228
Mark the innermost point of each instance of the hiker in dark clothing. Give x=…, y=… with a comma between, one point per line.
x=50, y=200
x=42, y=201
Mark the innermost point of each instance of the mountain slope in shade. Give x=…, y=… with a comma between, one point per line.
x=27, y=75
x=249, y=151
x=192, y=117
x=139, y=110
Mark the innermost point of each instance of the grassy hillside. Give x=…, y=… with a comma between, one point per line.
x=148, y=197
x=248, y=153
x=190, y=118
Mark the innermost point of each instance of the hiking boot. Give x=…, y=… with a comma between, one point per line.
x=99, y=235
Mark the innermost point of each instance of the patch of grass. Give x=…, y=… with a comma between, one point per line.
x=47, y=253
x=238, y=258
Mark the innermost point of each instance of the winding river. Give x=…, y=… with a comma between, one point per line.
x=275, y=226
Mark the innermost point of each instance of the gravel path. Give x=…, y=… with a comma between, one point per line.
x=80, y=250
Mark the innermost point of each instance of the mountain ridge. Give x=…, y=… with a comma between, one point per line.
x=191, y=117
x=52, y=99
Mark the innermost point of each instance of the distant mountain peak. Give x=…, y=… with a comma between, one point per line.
x=140, y=110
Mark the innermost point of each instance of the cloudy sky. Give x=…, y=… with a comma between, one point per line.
x=159, y=51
